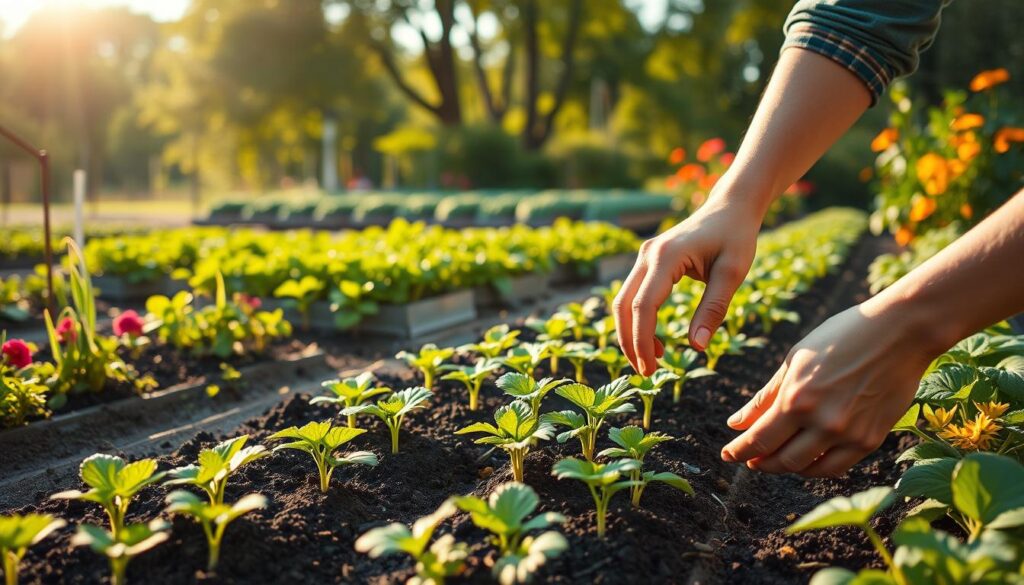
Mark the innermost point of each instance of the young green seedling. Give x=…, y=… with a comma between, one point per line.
x=130, y=542
x=497, y=340
x=524, y=387
x=723, y=343
x=444, y=558
x=579, y=353
x=321, y=440
x=596, y=405
x=579, y=315
x=472, y=377
x=429, y=359
x=551, y=332
x=613, y=361
x=393, y=409
x=648, y=387
x=604, y=480
x=602, y=330
x=213, y=517
x=608, y=293
x=113, y=483
x=216, y=466
x=516, y=428
x=680, y=362
x=634, y=444
x=350, y=392
x=17, y=534
x=504, y=515
x=526, y=357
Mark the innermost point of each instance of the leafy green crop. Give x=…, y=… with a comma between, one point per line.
x=216, y=466
x=648, y=387
x=552, y=332
x=579, y=353
x=21, y=398
x=434, y=562
x=429, y=360
x=504, y=514
x=680, y=362
x=351, y=303
x=302, y=292
x=472, y=377
x=321, y=440
x=604, y=480
x=603, y=330
x=496, y=341
x=393, y=408
x=17, y=534
x=634, y=444
x=527, y=356
x=516, y=428
x=613, y=361
x=214, y=517
x=131, y=541
x=113, y=483
x=523, y=387
x=595, y=406
x=349, y=392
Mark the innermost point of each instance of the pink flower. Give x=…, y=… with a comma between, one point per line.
x=17, y=353
x=710, y=148
x=252, y=301
x=129, y=323
x=66, y=332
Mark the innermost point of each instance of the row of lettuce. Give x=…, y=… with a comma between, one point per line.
x=465, y=208
x=788, y=261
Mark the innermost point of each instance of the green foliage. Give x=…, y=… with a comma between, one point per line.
x=17, y=534
x=392, y=409
x=21, y=398
x=435, y=561
x=523, y=387
x=351, y=303
x=634, y=444
x=321, y=440
x=579, y=353
x=428, y=360
x=517, y=427
x=216, y=466
x=496, y=341
x=350, y=392
x=472, y=377
x=681, y=362
x=113, y=483
x=648, y=387
x=121, y=547
x=604, y=480
x=302, y=293
x=595, y=406
x=213, y=516
x=552, y=333
x=525, y=357
x=505, y=515
x=613, y=361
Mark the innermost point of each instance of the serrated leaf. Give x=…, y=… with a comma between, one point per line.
x=930, y=478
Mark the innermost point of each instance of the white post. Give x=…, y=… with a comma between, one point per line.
x=79, y=233
x=329, y=174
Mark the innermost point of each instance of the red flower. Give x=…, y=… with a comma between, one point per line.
x=129, y=323
x=254, y=302
x=710, y=148
x=727, y=158
x=677, y=156
x=66, y=330
x=17, y=353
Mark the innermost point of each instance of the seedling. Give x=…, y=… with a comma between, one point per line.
x=216, y=466
x=604, y=480
x=634, y=444
x=321, y=440
x=723, y=343
x=504, y=515
x=393, y=409
x=214, y=517
x=17, y=534
x=648, y=387
x=524, y=387
x=113, y=483
x=444, y=558
x=579, y=354
x=351, y=303
x=497, y=340
x=680, y=362
x=596, y=405
x=130, y=541
x=303, y=293
x=608, y=293
x=429, y=359
x=579, y=315
x=517, y=427
x=21, y=399
x=472, y=377
x=525, y=358
x=552, y=332
x=602, y=330
x=613, y=361
x=350, y=392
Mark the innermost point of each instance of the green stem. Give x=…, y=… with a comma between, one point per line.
x=677, y=391
x=214, y=538
x=602, y=512
x=602, y=342
x=636, y=490
x=325, y=474
x=876, y=540
x=10, y=566
x=518, y=457
x=394, y=438
x=554, y=364
x=648, y=407
x=118, y=569
x=579, y=372
x=351, y=421
x=428, y=379
x=474, y=396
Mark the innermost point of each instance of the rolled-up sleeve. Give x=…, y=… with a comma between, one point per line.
x=877, y=40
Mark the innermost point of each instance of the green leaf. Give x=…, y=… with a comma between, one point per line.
x=908, y=422
x=671, y=479
x=950, y=381
x=929, y=478
x=855, y=510
x=928, y=450
x=986, y=485
x=18, y=532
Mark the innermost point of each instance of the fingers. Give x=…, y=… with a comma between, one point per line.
x=796, y=455
x=656, y=286
x=724, y=279
x=623, y=308
x=836, y=461
x=659, y=348
x=763, y=438
x=759, y=404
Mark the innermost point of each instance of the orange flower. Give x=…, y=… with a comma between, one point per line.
x=690, y=172
x=933, y=172
x=672, y=182
x=677, y=156
x=967, y=122
x=922, y=208
x=993, y=409
x=727, y=158
x=967, y=151
x=1004, y=136
x=710, y=148
x=885, y=139
x=956, y=168
x=966, y=211
x=989, y=79
x=904, y=235
x=708, y=181
x=865, y=174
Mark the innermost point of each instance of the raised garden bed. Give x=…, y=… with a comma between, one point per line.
x=422, y=317
x=517, y=291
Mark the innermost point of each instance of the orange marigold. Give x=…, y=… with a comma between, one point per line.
x=904, y=235
x=710, y=148
x=966, y=211
x=690, y=172
x=1004, y=136
x=922, y=208
x=967, y=151
x=933, y=172
x=989, y=79
x=967, y=122
x=677, y=156
x=885, y=139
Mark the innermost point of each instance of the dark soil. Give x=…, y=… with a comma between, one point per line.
x=308, y=536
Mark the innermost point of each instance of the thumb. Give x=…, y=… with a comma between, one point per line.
x=723, y=281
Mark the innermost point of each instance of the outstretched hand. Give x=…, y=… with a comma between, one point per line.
x=715, y=245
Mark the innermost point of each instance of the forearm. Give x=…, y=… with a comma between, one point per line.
x=809, y=103
x=975, y=282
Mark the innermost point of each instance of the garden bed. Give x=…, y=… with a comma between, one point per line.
x=306, y=536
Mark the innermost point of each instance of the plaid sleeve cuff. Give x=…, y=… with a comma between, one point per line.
x=859, y=60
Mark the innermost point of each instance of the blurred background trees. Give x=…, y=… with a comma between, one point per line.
x=236, y=94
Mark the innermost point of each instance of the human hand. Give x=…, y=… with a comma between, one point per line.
x=836, y=396
x=715, y=245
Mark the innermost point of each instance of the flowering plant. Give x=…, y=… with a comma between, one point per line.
x=955, y=162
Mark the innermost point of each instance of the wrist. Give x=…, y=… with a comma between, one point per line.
x=744, y=191
x=917, y=321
